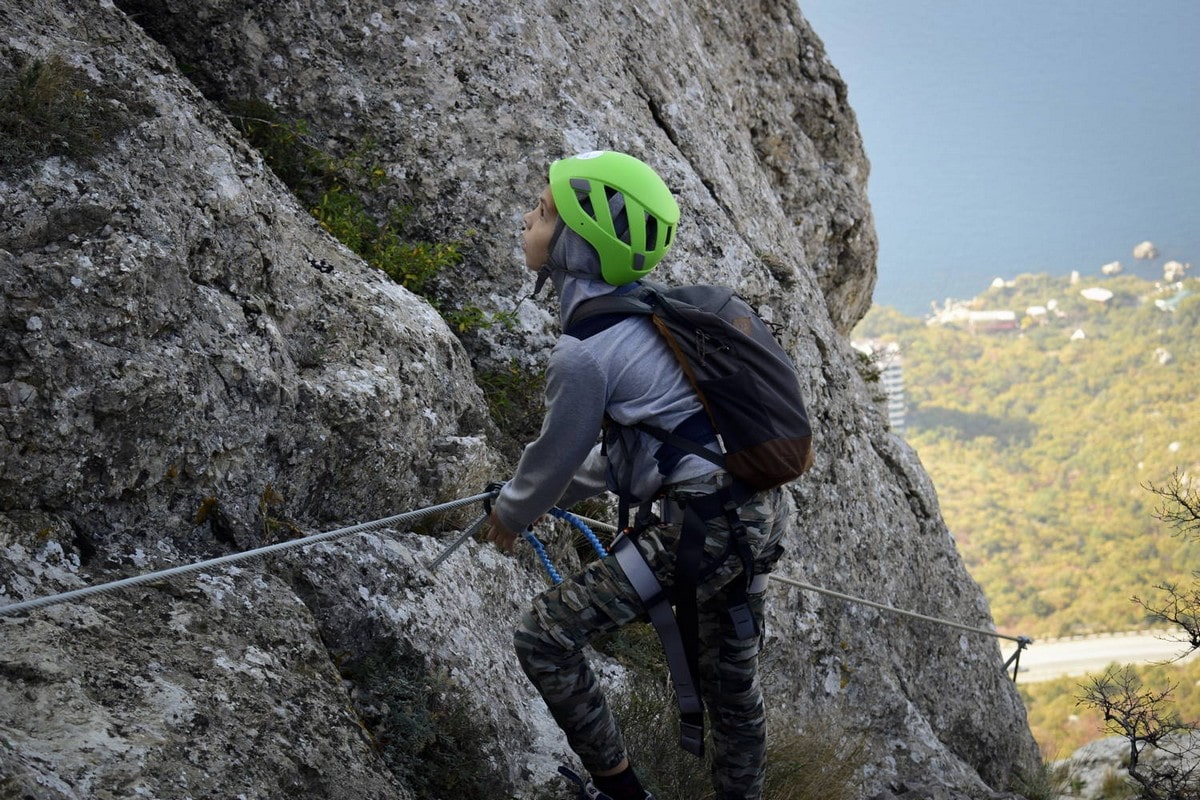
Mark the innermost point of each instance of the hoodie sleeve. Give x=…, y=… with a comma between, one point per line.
x=576, y=395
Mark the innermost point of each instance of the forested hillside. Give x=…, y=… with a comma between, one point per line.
x=1042, y=431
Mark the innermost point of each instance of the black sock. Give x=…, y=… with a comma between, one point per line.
x=622, y=786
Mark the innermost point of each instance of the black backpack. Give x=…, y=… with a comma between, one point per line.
x=745, y=380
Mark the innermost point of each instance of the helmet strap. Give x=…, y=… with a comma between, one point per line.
x=548, y=268
x=543, y=275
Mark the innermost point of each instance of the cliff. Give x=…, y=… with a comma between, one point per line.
x=191, y=366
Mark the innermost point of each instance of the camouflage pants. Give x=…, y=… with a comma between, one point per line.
x=600, y=599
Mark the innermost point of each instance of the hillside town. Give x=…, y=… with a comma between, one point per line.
x=978, y=317
x=968, y=314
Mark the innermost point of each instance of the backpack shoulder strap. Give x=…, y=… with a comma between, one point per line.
x=601, y=313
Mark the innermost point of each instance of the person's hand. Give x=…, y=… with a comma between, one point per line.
x=499, y=534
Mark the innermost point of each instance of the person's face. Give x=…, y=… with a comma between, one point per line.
x=539, y=228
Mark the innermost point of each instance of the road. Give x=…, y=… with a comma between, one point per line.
x=1075, y=657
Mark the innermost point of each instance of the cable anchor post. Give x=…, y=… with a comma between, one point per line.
x=491, y=493
x=1015, y=658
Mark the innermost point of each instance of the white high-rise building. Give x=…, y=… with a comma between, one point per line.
x=892, y=377
x=886, y=358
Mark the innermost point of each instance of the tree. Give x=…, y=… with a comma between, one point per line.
x=1180, y=508
x=1164, y=753
x=1143, y=718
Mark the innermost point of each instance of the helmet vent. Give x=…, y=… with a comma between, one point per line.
x=585, y=204
x=620, y=221
x=651, y=231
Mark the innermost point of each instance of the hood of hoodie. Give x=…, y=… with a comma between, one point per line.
x=575, y=266
x=575, y=273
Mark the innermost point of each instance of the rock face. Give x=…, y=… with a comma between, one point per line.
x=190, y=365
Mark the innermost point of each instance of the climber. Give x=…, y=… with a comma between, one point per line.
x=602, y=224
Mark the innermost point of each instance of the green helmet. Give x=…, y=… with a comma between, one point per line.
x=631, y=245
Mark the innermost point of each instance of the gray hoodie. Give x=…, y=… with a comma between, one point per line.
x=627, y=373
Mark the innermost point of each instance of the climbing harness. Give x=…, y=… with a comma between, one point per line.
x=1014, y=660
x=669, y=615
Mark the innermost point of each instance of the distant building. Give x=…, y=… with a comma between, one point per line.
x=959, y=314
x=1172, y=303
x=886, y=356
x=991, y=321
x=1097, y=293
x=892, y=378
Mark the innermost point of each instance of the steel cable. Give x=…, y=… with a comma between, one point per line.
x=233, y=558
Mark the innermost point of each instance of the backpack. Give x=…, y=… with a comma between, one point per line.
x=750, y=392
x=746, y=382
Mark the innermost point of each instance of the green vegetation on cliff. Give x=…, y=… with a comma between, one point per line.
x=1042, y=438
